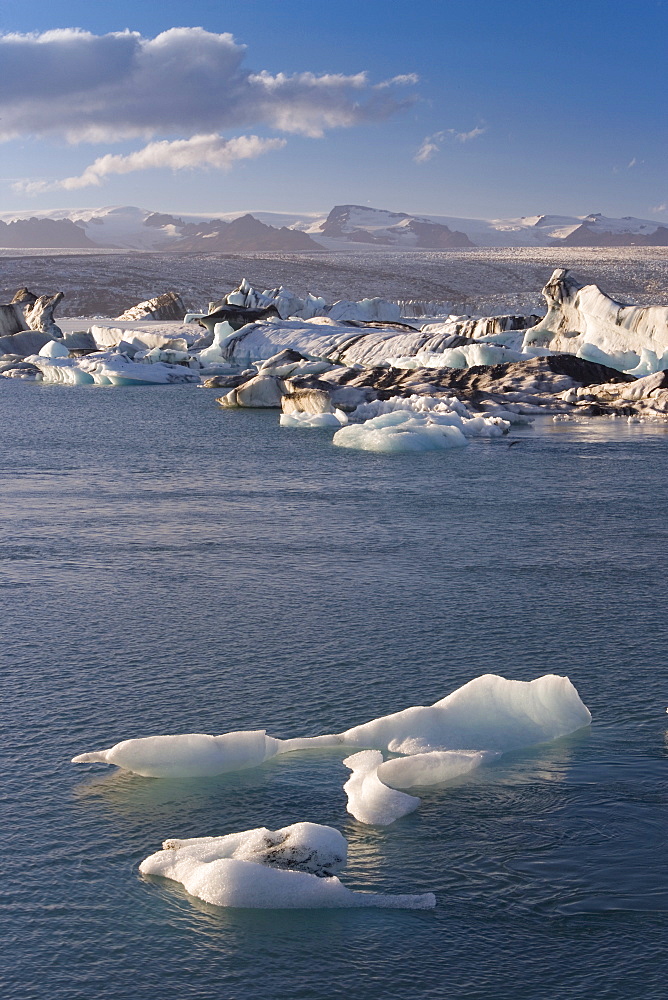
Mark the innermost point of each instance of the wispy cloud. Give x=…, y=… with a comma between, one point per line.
x=186, y=81
x=467, y=136
x=200, y=151
x=432, y=144
x=663, y=207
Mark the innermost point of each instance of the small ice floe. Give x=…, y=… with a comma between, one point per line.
x=291, y=868
x=190, y=755
x=416, y=423
x=110, y=368
x=373, y=789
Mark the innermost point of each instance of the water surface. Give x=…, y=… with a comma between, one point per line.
x=170, y=567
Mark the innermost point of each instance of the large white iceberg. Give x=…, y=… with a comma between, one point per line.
x=488, y=713
x=583, y=320
x=290, y=868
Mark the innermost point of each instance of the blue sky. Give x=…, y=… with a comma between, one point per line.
x=478, y=108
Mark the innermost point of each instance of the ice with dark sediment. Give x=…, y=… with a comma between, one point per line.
x=295, y=867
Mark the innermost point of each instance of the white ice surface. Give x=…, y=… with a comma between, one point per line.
x=401, y=431
x=191, y=755
x=54, y=349
x=336, y=419
x=416, y=423
x=488, y=713
x=373, y=788
x=369, y=799
x=290, y=868
x=583, y=320
x=434, y=767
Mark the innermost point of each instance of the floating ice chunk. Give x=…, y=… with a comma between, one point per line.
x=445, y=410
x=433, y=767
x=401, y=431
x=373, y=788
x=490, y=712
x=369, y=799
x=64, y=370
x=192, y=755
x=583, y=320
x=270, y=869
x=336, y=419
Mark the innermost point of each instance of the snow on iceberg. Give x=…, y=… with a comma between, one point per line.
x=290, y=868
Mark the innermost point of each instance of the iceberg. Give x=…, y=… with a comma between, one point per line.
x=192, y=755
x=400, y=431
x=416, y=423
x=490, y=713
x=110, y=368
x=373, y=789
x=370, y=800
x=290, y=868
x=584, y=321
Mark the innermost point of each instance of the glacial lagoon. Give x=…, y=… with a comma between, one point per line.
x=171, y=567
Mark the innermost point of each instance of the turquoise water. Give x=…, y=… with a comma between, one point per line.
x=171, y=567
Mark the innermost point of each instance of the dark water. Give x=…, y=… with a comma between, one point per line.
x=170, y=567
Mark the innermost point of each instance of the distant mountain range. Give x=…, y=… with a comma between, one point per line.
x=346, y=226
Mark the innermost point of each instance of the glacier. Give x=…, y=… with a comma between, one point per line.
x=290, y=868
x=316, y=362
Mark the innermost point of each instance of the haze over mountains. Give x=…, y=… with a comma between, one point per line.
x=131, y=228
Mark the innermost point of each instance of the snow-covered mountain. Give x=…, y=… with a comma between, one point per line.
x=132, y=228
x=357, y=224
x=361, y=224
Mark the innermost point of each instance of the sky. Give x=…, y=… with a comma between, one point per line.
x=470, y=108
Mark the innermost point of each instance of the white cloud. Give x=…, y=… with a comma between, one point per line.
x=431, y=144
x=467, y=136
x=182, y=154
x=663, y=207
x=186, y=81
